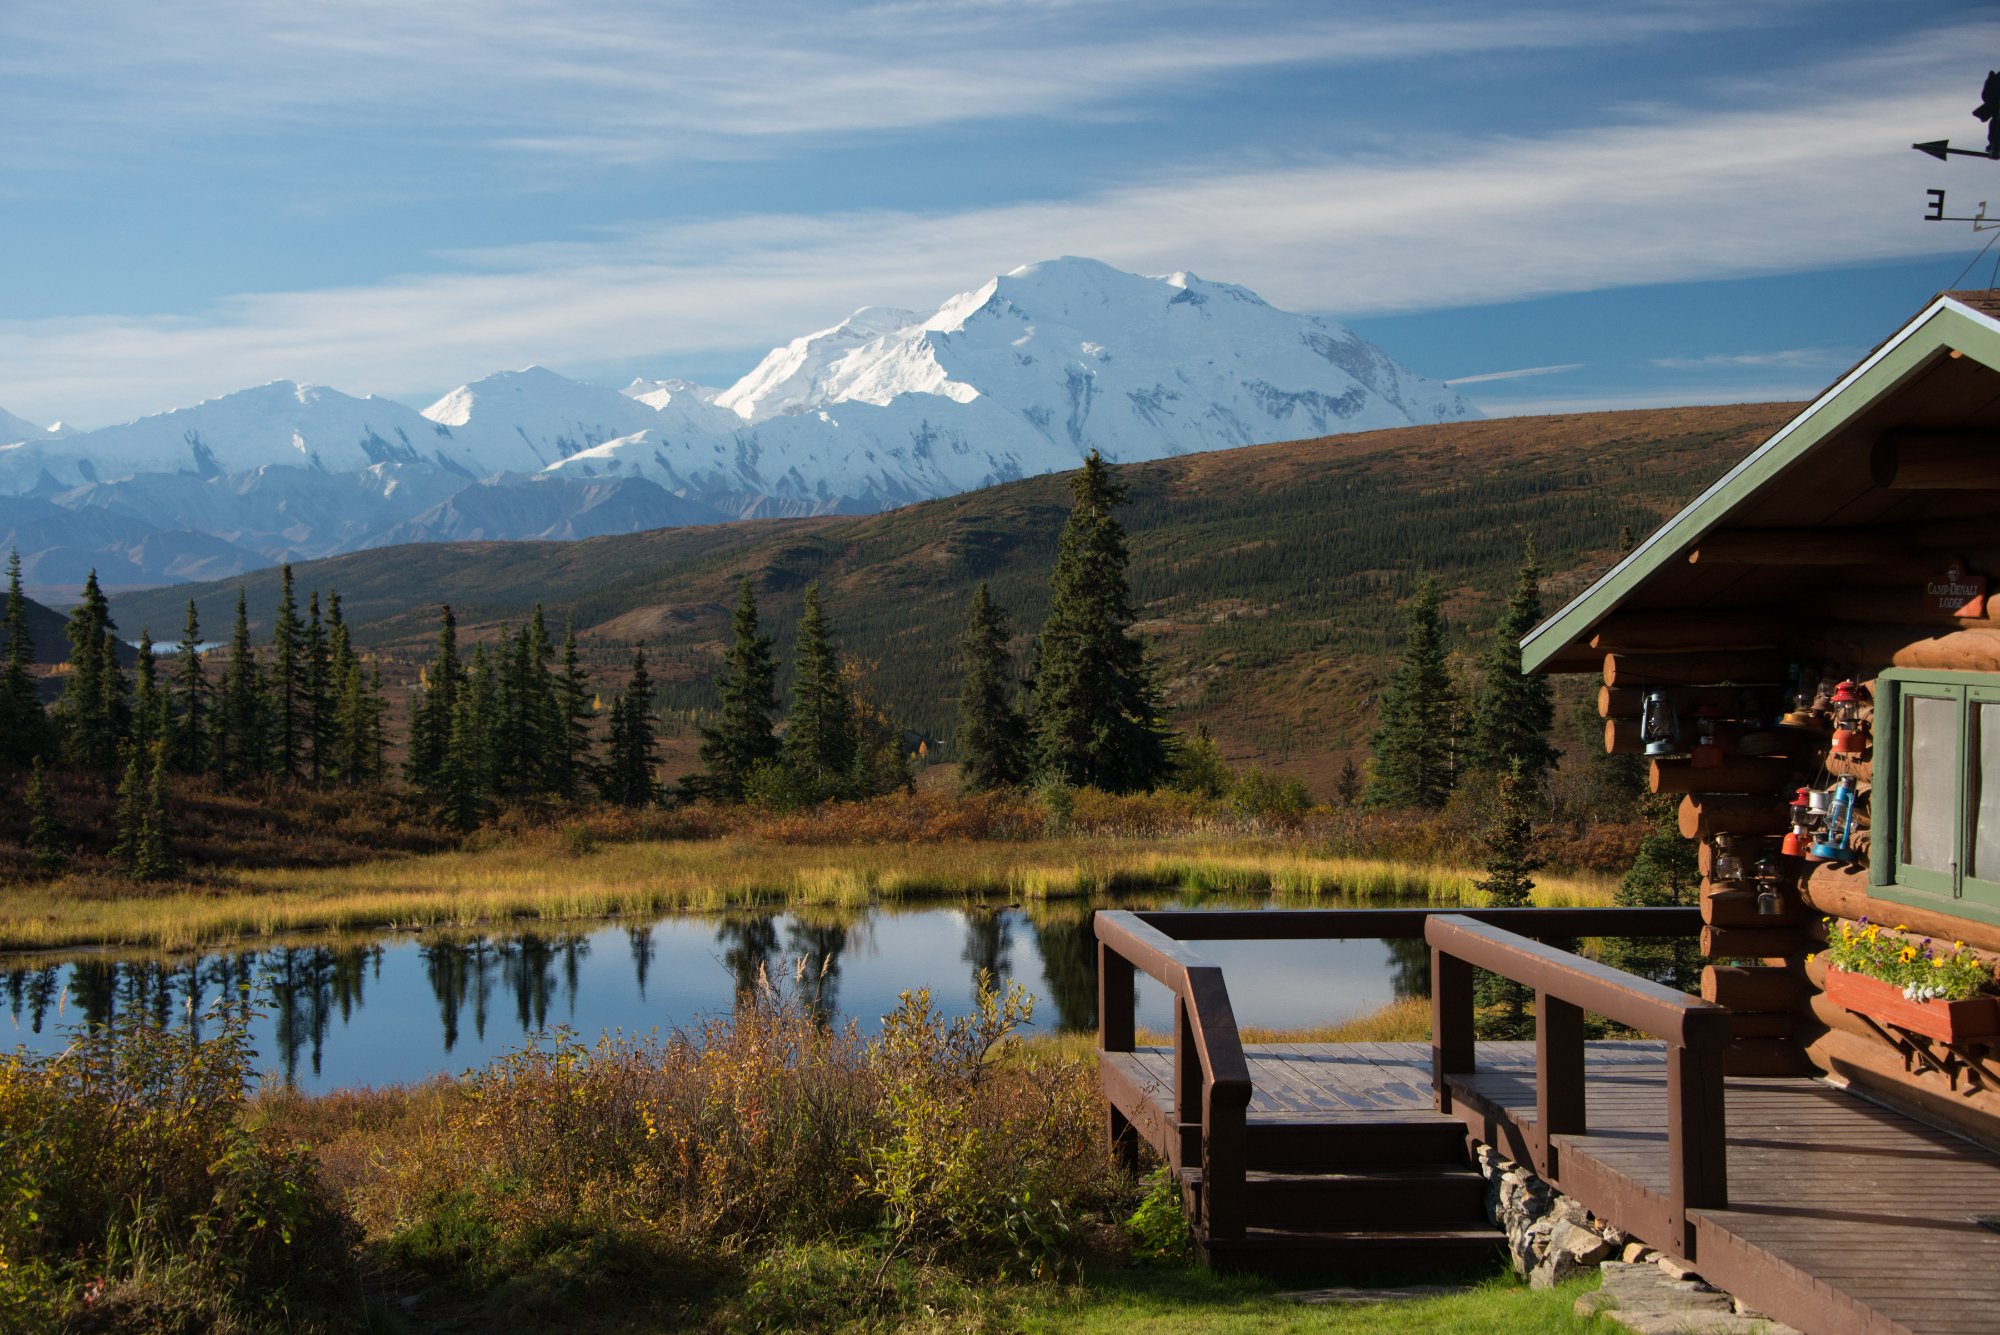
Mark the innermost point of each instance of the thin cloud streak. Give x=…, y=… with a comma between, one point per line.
x=1521, y=374
x=1712, y=196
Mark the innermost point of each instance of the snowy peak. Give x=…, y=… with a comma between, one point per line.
x=789, y=379
x=15, y=429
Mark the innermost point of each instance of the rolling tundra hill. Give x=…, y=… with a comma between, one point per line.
x=1269, y=578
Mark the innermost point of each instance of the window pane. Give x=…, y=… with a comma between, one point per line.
x=1930, y=783
x=1985, y=838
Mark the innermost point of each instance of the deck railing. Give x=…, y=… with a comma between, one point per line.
x=1567, y=987
x=1211, y=1076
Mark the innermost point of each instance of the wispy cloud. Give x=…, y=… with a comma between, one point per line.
x=1794, y=358
x=1825, y=180
x=627, y=81
x=1521, y=374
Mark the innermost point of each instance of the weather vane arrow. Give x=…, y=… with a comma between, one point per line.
x=1988, y=111
x=1942, y=149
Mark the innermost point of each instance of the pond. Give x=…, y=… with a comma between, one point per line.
x=336, y=1014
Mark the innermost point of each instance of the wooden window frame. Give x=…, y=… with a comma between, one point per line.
x=1955, y=893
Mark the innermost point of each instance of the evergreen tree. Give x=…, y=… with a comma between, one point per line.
x=317, y=699
x=93, y=710
x=633, y=761
x=153, y=857
x=46, y=845
x=1095, y=713
x=1511, y=864
x=190, y=727
x=1416, y=736
x=992, y=735
x=818, y=745
x=129, y=817
x=569, y=752
x=742, y=738
x=1348, y=786
x=287, y=682
x=1665, y=873
x=433, y=711
x=149, y=702
x=1514, y=710
x=24, y=726
x=242, y=736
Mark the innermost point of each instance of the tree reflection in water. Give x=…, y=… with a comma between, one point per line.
x=1068, y=945
x=989, y=944
x=749, y=950
x=815, y=948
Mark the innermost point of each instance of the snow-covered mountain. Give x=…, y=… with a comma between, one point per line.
x=14, y=428
x=1020, y=376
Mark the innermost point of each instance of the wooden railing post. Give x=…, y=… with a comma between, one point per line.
x=1697, y=1134
x=1559, y=1084
x=1451, y=1023
x=1224, y=1159
x=1187, y=1085
x=1117, y=1019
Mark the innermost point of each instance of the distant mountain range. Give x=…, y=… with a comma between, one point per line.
x=1019, y=377
x=1269, y=580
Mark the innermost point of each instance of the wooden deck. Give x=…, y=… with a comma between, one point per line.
x=1843, y=1216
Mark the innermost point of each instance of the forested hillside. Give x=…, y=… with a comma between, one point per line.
x=1269, y=578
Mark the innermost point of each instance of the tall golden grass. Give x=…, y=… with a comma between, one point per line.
x=541, y=882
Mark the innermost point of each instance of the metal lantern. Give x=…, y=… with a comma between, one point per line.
x=1848, y=738
x=1801, y=696
x=1728, y=865
x=1660, y=724
x=1800, y=838
x=1835, y=842
x=1769, y=877
x=1707, y=754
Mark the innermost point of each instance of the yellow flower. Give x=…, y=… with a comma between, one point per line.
x=1939, y=962
x=1907, y=954
x=1810, y=958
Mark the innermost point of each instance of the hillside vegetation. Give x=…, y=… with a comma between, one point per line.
x=1269, y=578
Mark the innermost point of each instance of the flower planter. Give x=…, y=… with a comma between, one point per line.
x=1951, y=1021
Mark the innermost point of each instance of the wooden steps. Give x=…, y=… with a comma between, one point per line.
x=1363, y=1192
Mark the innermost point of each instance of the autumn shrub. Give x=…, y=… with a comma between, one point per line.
x=134, y=1195
x=746, y=1133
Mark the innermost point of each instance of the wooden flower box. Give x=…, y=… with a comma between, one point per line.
x=1951, y=1021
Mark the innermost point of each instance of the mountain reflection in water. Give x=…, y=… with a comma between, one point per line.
x=344, y=1014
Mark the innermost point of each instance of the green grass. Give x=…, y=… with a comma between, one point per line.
x=1128, y=1300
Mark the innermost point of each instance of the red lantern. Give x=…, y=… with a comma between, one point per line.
x=1800, y=839
x=1848, y=738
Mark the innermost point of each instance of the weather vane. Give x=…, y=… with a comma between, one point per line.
x=1988, y=110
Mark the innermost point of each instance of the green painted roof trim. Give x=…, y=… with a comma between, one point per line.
x=1944, y=324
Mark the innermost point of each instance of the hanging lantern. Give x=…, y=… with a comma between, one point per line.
x=1800, y=838
x=1707, y=753
x=1835, y=842
x=1848, y=738
x=1800, y=693
x=1770, y=891
x=1660, y=724
x=1728, y=864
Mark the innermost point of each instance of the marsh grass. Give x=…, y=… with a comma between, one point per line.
x=537, y=882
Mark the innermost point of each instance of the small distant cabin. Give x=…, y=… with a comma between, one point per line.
x=1858, y=545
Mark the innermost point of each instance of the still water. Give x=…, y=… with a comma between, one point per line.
x=354, y=1013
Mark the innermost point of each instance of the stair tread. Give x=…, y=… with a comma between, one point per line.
x=1403, y=1174
x=1264, y=1236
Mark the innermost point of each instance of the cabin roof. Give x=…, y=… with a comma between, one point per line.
x=1939, y=371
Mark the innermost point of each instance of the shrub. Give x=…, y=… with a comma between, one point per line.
x=133, y=1193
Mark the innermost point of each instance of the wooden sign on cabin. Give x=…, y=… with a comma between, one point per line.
x=1957, y=591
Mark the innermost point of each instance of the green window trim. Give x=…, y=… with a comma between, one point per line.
x=1955, y=891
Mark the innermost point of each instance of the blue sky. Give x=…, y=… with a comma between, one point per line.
x=1561, y=207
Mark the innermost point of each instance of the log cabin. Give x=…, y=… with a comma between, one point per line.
x=1807, y=652
x=1853, y=546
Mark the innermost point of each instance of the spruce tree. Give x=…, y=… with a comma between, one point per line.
x=190, y=726
x=318, y=695
x=570, y=747
x=1348, y=787
x=24, y=726
x=633, y=761
x=433, y=711
x=153, y=858
x=242, y=735
x=818, y=745
x=149, y=702
x=1511, y=864
x=288, y=682
x=1665, y=873
x=742, y=738
x=46, y=846
x=1095, y=714
x=1514, y=710
x=1416, y=735
x=129, y=817
x=93, y=710
x=992, y=735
